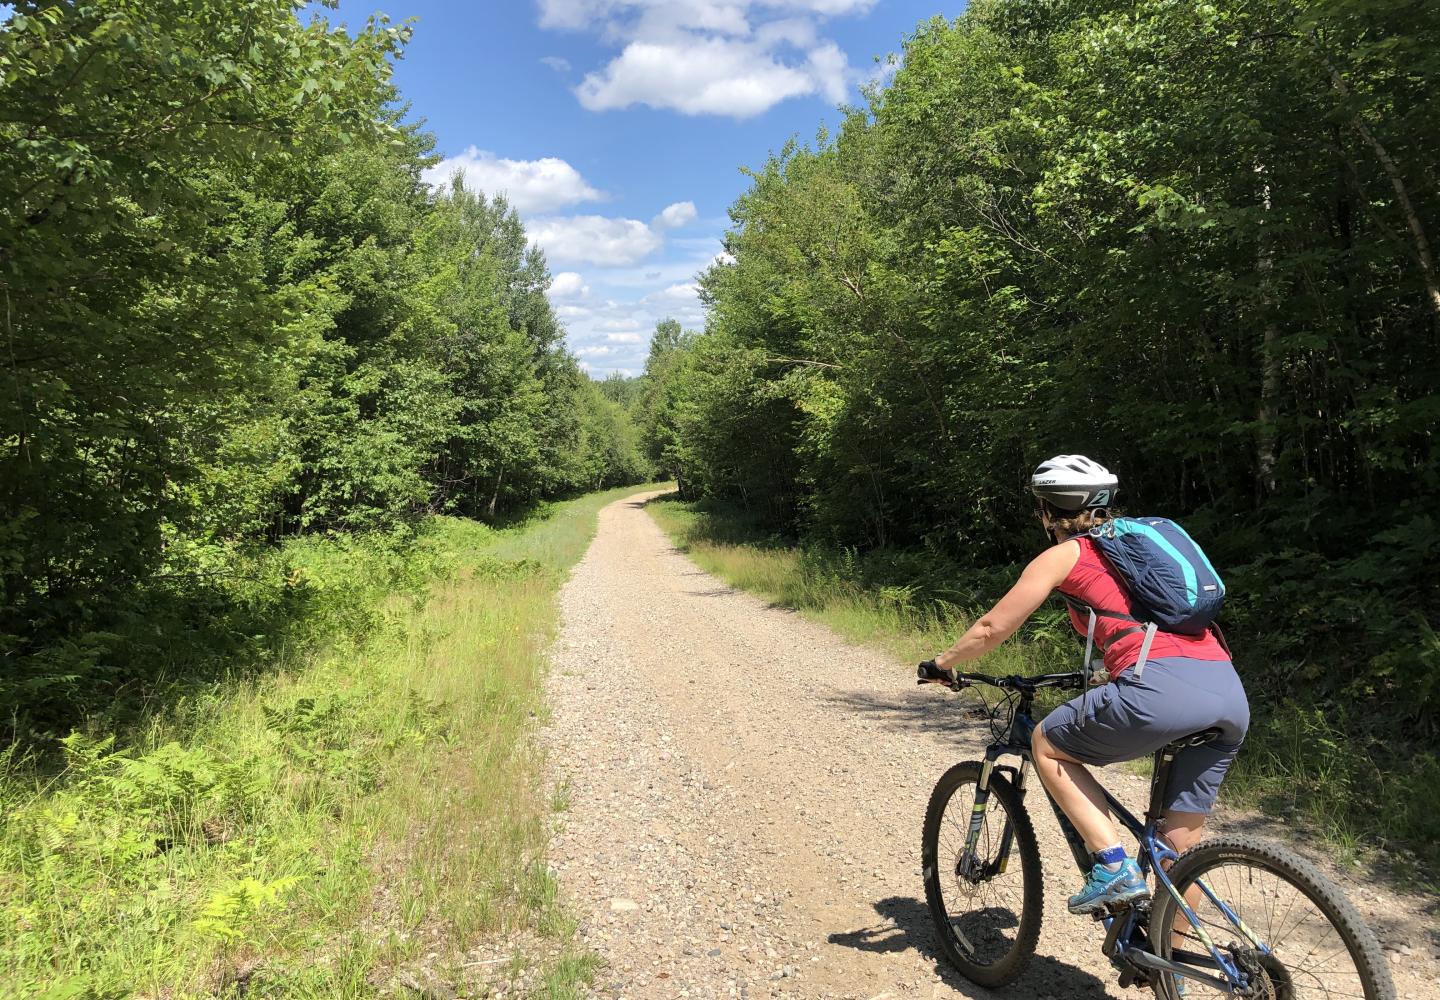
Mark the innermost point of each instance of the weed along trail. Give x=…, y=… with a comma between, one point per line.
x=744, y=793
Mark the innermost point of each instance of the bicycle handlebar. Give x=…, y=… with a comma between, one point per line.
x=929, y=673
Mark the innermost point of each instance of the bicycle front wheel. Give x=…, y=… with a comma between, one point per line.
x=1288, y=928
x=986, y=905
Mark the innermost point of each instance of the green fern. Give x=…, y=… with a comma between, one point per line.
x=235, y=912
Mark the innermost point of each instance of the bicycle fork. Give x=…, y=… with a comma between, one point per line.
x=970, y=867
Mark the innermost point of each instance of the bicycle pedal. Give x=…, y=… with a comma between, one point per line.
x=1129, y=979
x=1124, y=907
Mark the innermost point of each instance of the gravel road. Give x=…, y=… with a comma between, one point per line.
x=746, y=792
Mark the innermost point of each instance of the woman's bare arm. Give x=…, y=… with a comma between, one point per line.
x=1046, y=572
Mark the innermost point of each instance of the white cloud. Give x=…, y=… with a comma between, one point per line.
x=558, y=63
x=712, y=14
x=568, y=285
x=830, y=69
x=715, y=76
x=631, y=337
x=686, y=293
x=724, y=57
x=594, y=239
x=675, y=216
x=531, y=185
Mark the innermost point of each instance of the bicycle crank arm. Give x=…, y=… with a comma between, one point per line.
x=1146, y=960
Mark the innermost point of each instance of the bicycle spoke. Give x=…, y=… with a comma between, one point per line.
x=1307, y=956
x=983, y=917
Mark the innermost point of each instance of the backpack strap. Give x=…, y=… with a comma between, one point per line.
x=1094, y=614
x=1089, y=641
x=1220, y=638
x=1086, y=609
x=1150, y=631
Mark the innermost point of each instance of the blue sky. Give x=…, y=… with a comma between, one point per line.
x=618, y=127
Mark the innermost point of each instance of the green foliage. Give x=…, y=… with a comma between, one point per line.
x=233, y=313
x=235, y=910
x=1190, y=239
x=1193, y=240
x=379, y=774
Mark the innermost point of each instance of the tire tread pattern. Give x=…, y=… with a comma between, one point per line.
x=1032, y=905
x=1358, y=938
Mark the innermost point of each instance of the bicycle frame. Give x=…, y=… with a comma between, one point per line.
x=1125, y=942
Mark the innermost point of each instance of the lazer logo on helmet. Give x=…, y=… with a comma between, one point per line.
x=1074, y=483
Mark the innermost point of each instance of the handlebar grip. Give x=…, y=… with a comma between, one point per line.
x=928, y=671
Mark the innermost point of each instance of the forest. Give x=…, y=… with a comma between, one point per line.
x=294, y=459
x=1191, y=240
x=233, y=315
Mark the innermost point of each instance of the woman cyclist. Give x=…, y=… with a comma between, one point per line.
x=1188, y=684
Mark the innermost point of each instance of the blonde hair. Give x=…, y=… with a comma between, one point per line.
x=1080, y=522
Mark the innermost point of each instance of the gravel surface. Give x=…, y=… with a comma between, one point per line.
x=746, y=793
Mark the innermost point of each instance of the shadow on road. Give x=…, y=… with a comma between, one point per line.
x=916, y=710
x=905, y=924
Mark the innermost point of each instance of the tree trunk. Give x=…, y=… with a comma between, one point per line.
x=1265, y=435
x=495, y=495
x=1402, y=193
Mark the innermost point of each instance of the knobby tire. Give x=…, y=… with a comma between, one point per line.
x=938, y=870
x=1360, y=943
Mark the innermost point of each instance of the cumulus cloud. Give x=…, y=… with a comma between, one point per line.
x=686, y=293
x=594, y=239
x=625, y=306
x=531, y=185
x=723, y=57
x=690, y=13
x=682, y=213
x=568, y=285
x=602, y=241
x=558, y=63
x=710, y=76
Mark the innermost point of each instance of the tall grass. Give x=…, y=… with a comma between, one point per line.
x=837, y=589
x=363, y=814
x=1355, y=789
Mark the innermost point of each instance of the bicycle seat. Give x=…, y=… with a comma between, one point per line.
x=1196, y=739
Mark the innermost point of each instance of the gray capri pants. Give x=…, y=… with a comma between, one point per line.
x=1174, y=697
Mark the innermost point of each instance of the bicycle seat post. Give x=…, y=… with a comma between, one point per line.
x=1159, y=776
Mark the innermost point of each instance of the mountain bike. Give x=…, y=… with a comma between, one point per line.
x=1233, y=916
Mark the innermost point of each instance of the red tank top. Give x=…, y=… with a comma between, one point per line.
x=1093, y=582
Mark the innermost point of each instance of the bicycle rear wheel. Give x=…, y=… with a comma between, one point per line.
x=1292, y=931
x=986, y=908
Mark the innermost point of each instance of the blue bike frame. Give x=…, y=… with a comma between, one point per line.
x=1121, y=943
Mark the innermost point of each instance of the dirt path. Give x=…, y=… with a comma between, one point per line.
x=746, y=793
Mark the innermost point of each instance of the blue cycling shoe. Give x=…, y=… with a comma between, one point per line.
x=1105, y=889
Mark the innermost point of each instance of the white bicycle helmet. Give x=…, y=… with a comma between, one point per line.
x=1074, y=483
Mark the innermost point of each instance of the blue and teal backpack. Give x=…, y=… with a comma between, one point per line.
x=1172, y=586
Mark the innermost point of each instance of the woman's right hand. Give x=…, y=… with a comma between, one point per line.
x=930, y=673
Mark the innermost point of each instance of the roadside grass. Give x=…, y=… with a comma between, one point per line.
x=1338, y=778
x=830, y=587
x=355, y=821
